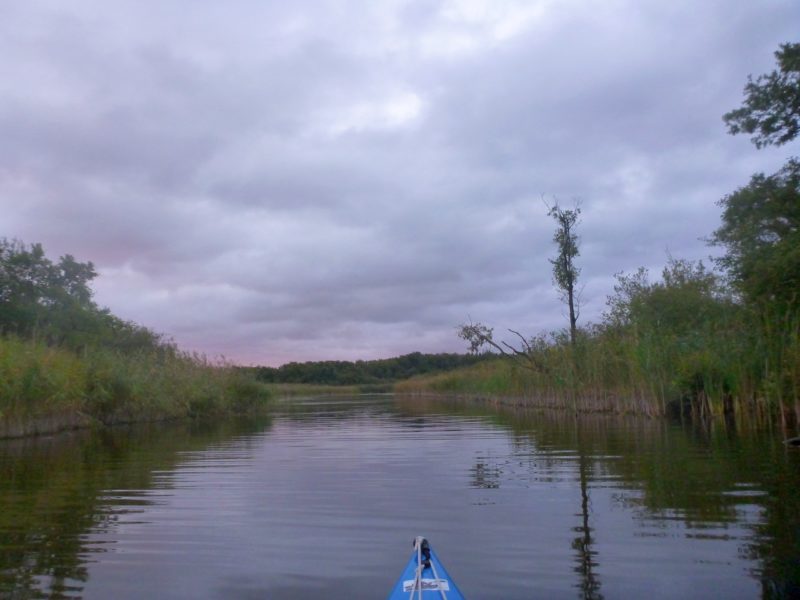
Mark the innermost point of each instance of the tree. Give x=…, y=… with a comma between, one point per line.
x=39, y=298
x=565, y=276
x=761, y=221
x=761, y=228
x=527, y=355
x=565, y=272
x=771, y=108
x=761, y=232
x=687, y=298
x=25, y=283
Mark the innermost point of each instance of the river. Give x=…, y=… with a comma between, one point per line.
x=323, y=498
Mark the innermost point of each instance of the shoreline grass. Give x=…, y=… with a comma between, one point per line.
x=45, y=389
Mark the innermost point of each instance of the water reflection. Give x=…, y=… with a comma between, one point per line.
x=55, y=490
x=586, y=557
x=519, y=504
x=716, y=483
x=486, y=475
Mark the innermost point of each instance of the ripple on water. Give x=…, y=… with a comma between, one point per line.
x=327, y=496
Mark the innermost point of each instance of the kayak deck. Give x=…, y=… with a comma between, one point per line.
x=425, y=577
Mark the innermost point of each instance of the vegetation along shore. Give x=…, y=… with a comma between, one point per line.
x=66, y=363
x=721, y=342
x=711, y=342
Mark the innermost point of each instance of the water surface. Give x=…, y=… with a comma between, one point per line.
x=323, y=499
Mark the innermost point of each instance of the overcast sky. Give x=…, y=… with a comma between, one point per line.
x=305, y=180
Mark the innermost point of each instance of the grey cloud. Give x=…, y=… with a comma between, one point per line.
x=307, y=180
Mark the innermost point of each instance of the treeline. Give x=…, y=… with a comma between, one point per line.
x=365, y=372
x=51, y=302
x=713, y=342
x=64, y=361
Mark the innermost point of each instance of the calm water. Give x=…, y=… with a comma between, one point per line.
x=323, y=499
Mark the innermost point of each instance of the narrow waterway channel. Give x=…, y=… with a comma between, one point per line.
x=323, y=499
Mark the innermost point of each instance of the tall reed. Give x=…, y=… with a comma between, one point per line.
x=111, y=387
x=728, y=363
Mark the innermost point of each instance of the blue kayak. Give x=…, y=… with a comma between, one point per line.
x=424, y=577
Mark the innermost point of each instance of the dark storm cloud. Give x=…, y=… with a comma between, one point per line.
x=277, y=181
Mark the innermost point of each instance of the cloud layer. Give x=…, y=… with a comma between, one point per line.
x=276, y=181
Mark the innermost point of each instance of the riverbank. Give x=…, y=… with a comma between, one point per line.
x=45, y=389
x=505, y=382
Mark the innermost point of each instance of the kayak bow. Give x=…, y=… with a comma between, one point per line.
x=425, y=577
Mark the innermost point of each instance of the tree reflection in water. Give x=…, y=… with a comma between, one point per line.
x=55, y=490
x=589, y=583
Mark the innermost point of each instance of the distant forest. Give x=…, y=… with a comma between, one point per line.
x=338, y=372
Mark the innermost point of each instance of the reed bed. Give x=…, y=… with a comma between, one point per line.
x=44, y=388
x=725, y=369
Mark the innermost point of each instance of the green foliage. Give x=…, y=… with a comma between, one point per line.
x=565, y=271
x=363, y=372
x=771, y=108
x=761, y=233
x=62, y=355
x=683, y=341
x=680, y=341
x=689, y=337
x=491, y=378
x=476, y=335
x=34, y=378
x=52, y=301
x=113, y=387
x=41, y=298
x=688, y=298
x=678, y=331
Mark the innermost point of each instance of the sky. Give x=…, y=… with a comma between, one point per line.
x=272, y=181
